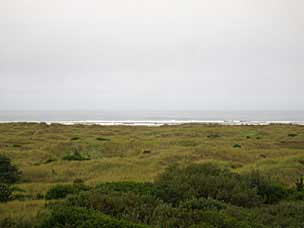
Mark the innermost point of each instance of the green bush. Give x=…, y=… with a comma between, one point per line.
x=296, y=195
x=283, y=214
x=203, y=204
x=102, y=139
x=75, y=138
x=219, y=219
x=61, y=191
x=300, y=184
x=75, y=156
x=135, y=187
x=9, y=174
x=60, y=217
x=198, y=195
x=164, y=215
x=213, y=136
x=205, y=181
x=5, y=192
x=16, y=223
x=269, y=191
x=129, y=206
x=237, y=146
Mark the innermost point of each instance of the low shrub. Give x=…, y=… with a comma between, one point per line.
x=75, y=156
x=203, y=204
x=213, y=136
x=102, y=139
x=82, y=218
x=61, y=191
x=9, y=222
x=9, y=174
x=129, y=206
x=283, y=214
x=135, y=187
x=300, y=184
x=205, y=181
x=5, y=192
x=49, y=160
x=237, y=146
x=75, y=138
x=268, y=190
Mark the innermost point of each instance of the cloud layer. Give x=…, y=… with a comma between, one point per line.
x=161, y=54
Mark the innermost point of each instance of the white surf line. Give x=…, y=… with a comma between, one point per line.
x=159, y=122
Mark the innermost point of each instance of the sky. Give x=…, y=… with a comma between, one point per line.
x=152, y=54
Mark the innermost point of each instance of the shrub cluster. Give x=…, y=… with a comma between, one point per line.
x=195, y=196
x=5, y=192
x=75, y=156
x=200, y=195
x=82, y=218
x=61, y=191
x=9, y=175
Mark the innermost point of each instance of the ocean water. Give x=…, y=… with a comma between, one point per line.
x=152, y=116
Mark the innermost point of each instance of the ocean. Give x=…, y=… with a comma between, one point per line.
x=152, y=117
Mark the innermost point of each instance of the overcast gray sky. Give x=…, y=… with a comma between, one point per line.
x=156, y=54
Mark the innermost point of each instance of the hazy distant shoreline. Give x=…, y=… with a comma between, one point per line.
x=158, y=122
x=125, y=117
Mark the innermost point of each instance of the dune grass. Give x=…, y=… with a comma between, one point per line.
x=138, y=153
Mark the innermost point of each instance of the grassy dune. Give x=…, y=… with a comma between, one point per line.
x=131, y=153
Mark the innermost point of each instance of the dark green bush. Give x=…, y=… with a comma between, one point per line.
x=5, y=192
x=61, y=191
x=300, y=184
x=269, y=191
x=164, y=215
x=219, y=219
x=197, y=196
x=213, y=136
x=50, y=160
x=205, y=181
x=9, y=174
x=60, y=217
x=16, y=223
x=203, y=204
x=102, y=139
x=135, y=187
x=283, y=214
x=296, y=195
x=75, y=138
x=129, y=206
x=237, y=146
x=75, y=156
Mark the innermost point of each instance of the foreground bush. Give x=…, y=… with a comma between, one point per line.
x=61, y=191
x=284, y=214
x=14, y=223
x=129, y=206
x=269, y=191
x=205, y=181
x=9, y=174
x=60, y=217
x=203, y=204
x=138, y=188
x=149, y=210
x=5, y=193
x=196, y=196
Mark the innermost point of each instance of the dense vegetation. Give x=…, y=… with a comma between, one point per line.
x=170, y=176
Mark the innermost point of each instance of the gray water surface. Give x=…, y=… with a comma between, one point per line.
x=125, y=115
